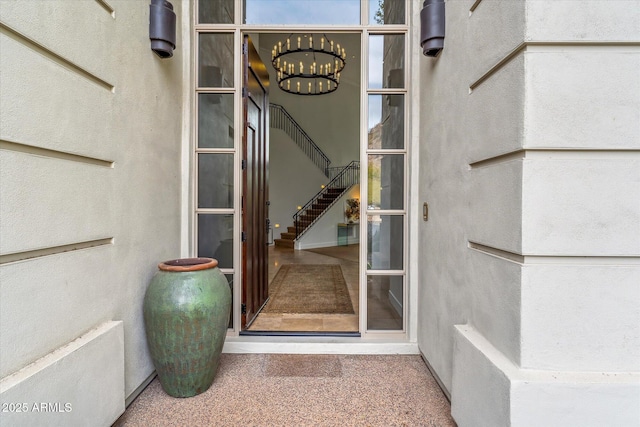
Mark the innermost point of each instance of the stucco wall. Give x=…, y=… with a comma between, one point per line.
x=529, y=162
x=91, y=131
x=457, y=285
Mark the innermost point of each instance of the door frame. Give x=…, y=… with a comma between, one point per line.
x=408, y=334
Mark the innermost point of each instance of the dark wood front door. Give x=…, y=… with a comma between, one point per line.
x=255, y=178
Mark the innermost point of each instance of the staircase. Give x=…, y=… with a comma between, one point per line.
x=318, y=208
x=319, y=204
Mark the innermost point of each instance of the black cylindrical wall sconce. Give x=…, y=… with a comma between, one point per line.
x=432, y=27
x=162, y=28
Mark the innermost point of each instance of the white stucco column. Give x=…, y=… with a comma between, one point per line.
x=529, y=297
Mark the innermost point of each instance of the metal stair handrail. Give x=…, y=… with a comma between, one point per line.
x=333, y=171
x=348, y=177
x=281, y=119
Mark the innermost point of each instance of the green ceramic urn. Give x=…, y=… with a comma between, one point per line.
x=186, y=313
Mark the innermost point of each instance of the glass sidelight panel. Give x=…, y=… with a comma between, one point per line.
x=386, y=61
x=383, y=12
x=296, y=12
x=386, y=168
x=386, y=181
x=215, y=120
x=215, y=12
x=385, y=296
x=215, y=180
x=385, y=242
x=215, y=60
x=386, y=122
x=215, y=238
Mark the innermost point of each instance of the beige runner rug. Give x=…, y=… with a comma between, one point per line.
x=309, y=288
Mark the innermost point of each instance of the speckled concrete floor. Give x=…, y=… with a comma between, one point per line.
x=302, y=390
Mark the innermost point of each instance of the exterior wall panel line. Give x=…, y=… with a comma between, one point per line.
x=54, y=154
x=530, y=45
x=50, y=54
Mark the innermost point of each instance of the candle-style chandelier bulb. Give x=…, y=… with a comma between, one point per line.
x=297, y=65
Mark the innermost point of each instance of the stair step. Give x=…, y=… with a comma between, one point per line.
x=284, y=243
x=328, y=198
x=310, y=214
x=334, y=190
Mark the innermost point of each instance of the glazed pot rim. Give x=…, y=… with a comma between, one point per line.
x=188, y=264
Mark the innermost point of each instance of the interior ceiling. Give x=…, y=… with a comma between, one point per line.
x=331, y=116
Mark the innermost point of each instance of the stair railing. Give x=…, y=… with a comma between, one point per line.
x=348, y=177
x=333, y=171
x=281, y=119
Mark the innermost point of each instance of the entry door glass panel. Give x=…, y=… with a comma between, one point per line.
x=215, y=11
x=384, y=302
x=386, y=61
x=384, y=12
x=386, y=181
x=303, y=12
x=386, y=121
x=215, y=60
x=215, y=238
x=215, y=180
x=385, y=242
x=215, y=120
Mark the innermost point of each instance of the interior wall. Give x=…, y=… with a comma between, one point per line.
x=528, y=150
x=324, y=233
x=293, y=180
x=90, y=128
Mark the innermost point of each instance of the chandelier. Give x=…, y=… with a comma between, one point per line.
x=305, y=66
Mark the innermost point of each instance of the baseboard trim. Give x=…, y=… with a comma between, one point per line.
x=437, y=378
x=135, y=393
x=301, y=245
x=133, y=396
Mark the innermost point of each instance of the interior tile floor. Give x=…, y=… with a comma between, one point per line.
x=347, y=257
x=381, y=315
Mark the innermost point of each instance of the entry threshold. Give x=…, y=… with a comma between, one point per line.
x=315, y=343
x=300, y=334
